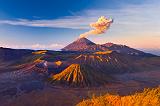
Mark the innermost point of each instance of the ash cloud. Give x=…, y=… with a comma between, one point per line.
x=99, y=27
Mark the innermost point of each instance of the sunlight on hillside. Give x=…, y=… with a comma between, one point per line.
x=38, y=60
x=149, y=97
x=78, y=56
x=58, y=63
x=80, y=76
x=40, y=52
x=104, y=52
x=72, y=70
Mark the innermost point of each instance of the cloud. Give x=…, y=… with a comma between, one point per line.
x=74, y=22
x=37, y=46
x=50, y=46
x=133, y=15
x=99, y=27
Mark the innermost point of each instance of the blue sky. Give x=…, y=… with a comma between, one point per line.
x=52, y=24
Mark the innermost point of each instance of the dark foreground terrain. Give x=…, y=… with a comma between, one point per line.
x=36, y=91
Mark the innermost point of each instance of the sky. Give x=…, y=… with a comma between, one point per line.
x=52, y=24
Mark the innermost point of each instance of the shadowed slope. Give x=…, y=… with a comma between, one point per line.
x=125, y=49
x=117, y=63
x=107, y=63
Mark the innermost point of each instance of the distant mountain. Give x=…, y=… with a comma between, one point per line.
x=124, y=49
x=83, y=44
x=13, y=54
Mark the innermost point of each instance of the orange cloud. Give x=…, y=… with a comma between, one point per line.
x=99, y=27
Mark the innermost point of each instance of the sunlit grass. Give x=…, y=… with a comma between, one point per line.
x=149, y=97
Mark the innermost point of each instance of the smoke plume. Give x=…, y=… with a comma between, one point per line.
x=99, y=27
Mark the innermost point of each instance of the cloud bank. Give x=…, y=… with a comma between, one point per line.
x=37, y=46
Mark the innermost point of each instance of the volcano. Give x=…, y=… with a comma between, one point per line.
x=83, y=44
x=81, y=75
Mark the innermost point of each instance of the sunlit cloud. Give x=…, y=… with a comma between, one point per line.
x=50, y=46
x=37, y=46
x=99, y=27
x=72, y=22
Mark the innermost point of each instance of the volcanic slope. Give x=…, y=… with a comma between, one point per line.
x=109, y=63
x=94, y=69
x=125, y=49
x=83, y=44
x=81, y=75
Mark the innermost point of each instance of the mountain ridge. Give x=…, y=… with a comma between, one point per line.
x=85, y=45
